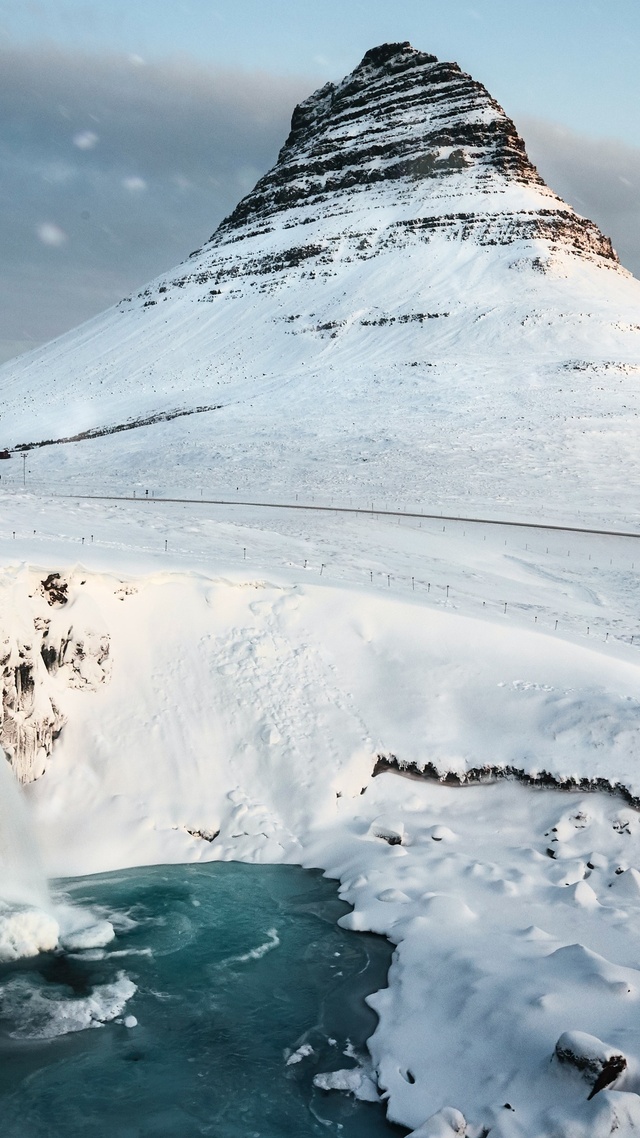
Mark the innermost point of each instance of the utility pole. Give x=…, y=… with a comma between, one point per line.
x=24, y=468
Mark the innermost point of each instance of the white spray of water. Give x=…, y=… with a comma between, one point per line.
x=27, y=925
x=30, y=922
x=22, y=878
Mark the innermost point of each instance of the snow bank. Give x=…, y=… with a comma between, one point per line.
x=239, y=714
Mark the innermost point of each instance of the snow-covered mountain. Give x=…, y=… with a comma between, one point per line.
x=401, y=294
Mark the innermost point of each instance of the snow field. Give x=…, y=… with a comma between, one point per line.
x=500, y=947
x=248, y=701
x=526, y=393
x=585, y=582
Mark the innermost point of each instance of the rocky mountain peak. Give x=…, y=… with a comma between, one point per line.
x=394, y=57
x=406, y=129
x=385, y=52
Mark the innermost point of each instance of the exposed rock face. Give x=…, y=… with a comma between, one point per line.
x=43, y=650
x=403, y=117
x=29, y=718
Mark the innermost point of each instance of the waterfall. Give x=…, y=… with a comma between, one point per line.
x=22, y=879
x=30, y=921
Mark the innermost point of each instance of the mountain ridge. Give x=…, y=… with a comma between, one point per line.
x=461, y=126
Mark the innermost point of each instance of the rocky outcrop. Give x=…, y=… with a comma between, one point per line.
x=46, y=645
x=30, y=721
x=598, y=1063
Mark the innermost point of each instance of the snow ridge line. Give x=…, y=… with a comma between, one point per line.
x=100, y=432
x=349, y=510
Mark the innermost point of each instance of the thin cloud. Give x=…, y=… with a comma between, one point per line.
x=135, y=185
x=85, y=139
x=122, y=169
x=51, y=234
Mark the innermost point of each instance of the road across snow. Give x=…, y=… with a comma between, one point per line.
x=544, y=526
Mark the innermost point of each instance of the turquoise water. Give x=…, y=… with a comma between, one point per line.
x=236, y=967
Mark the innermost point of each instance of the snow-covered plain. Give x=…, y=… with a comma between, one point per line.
x=250, y=695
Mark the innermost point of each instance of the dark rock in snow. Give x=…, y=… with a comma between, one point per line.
x=598, y=1063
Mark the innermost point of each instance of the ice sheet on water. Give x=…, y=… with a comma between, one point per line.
x=302, y=1052
x=357, y=1081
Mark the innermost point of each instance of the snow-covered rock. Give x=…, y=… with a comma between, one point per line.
x=391, y=830
x=445, y=1123
x=596, y=1061
x=626, y=884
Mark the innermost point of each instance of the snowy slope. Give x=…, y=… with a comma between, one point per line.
x=402, y=288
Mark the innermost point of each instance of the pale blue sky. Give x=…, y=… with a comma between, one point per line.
x=574, y=61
